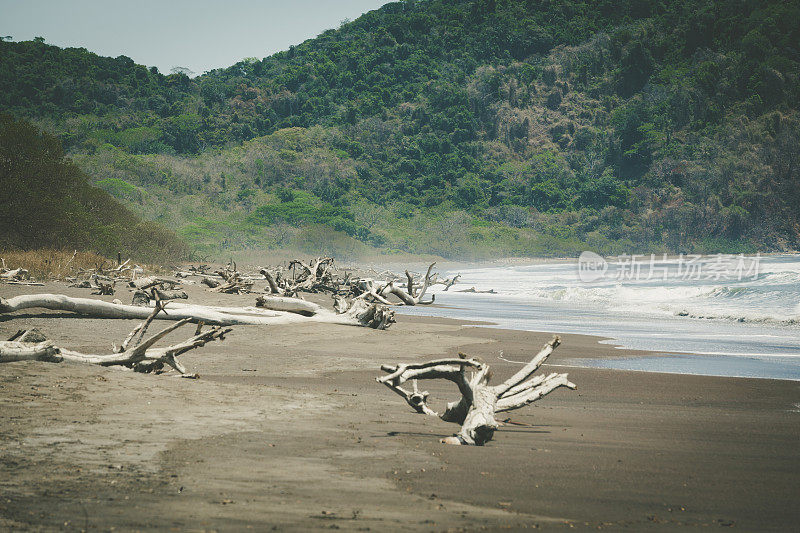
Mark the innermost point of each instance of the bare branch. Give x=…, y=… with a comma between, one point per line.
x=526, y=371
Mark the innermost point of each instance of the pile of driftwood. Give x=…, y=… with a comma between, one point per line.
x=228, y=280
x=102, y=280
x=316, y=276
x=155, y=298
x=15, y=276
x=358, y=301
x=193, y=270
x=321, y=276
x=479, y=403
x=409, y=293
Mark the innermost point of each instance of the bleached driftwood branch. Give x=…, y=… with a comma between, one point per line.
x=142, y=356
x=354, y=315
x=479, y=402
x=272, y=282
x=410, y=296
x=448, y=282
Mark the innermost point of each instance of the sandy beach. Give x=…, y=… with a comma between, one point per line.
x=286, y=429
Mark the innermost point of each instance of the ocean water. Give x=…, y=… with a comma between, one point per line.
x=725, y=315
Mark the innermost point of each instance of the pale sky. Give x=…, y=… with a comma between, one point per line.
x=197, y=34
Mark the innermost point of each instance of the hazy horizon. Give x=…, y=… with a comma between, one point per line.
x=199, y=35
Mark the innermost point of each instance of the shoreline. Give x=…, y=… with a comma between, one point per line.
x=601, y=352
x=287, y=428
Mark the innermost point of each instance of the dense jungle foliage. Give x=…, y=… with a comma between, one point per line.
x=461, y=128
x=48, y=203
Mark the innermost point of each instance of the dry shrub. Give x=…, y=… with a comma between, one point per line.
x=53, y=264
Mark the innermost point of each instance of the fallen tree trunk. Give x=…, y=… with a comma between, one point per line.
x=152, y=281
x=225, y=316
x=292, y=305
x=479, y=402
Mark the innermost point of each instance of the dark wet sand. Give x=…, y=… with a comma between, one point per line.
x=287, y=428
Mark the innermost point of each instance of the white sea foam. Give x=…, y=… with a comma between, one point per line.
x=772, y=296
x=753, y=320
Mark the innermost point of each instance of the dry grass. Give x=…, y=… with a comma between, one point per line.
x=56, y=264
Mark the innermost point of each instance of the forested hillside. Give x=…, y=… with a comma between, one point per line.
x=48, y=203
x=463, y=128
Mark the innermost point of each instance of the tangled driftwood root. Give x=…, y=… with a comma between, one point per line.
x=370, y=315
x=479, y=402
x=317, y=276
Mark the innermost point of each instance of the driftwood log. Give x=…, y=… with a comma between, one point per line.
x=210, y=282
x=273, y=311
x=479, y=402
x=143, y=298
x=166, y=294
x=476, y=291
x=152, y=281
x=14, y=274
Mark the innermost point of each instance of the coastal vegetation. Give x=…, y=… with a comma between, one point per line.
x=466, y=129
x=48, y=203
